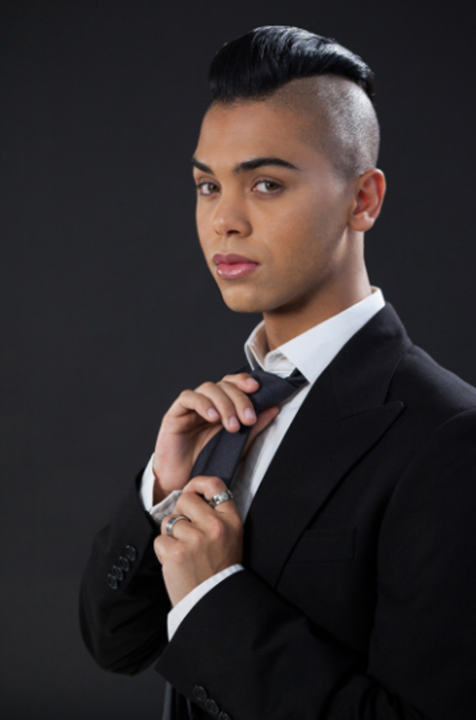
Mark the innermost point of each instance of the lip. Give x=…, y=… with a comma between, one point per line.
x=233, y=267
x=231, y=259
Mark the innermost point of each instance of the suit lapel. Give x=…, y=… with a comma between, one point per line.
x=342, y=418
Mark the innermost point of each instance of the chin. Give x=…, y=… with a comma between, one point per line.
x=239, y=302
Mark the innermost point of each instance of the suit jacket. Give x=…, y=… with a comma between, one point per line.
x=358, y=598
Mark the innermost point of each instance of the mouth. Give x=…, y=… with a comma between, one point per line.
x=233, y=266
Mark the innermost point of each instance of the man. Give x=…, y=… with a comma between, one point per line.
x=349, y=591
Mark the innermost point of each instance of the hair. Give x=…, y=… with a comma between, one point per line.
x=260, y=65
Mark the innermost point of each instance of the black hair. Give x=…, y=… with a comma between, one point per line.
x=263, y=60
x=259, y=66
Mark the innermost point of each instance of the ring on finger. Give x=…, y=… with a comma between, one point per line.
x=221, y=498
x=171, y=522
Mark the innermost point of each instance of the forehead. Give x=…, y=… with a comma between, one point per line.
x=230, y=133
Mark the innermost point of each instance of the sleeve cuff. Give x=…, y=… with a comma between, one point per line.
x=166, y=506
x=181, y=610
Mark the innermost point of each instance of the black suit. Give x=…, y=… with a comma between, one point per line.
x=358, y=600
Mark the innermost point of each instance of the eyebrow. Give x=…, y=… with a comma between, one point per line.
x=248, y=165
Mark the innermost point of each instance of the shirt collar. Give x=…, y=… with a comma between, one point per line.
x=312, y=351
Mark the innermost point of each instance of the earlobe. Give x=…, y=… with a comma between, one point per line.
x=368, y=199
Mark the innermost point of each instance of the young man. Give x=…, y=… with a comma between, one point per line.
x=340, y=581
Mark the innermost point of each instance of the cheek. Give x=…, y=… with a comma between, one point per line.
x=303, y=236
x=203, y=231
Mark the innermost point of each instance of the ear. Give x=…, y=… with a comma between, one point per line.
x=368, y=199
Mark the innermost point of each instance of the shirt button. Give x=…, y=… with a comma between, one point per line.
x=130, y=553
x=212, y=707
x=199, y=693
x=124, y=564
x=224, y=716
x=112, y=582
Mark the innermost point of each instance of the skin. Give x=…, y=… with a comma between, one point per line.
x=304, y=226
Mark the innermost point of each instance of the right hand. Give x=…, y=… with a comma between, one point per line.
x=194, y=418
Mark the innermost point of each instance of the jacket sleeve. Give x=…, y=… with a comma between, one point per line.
x=248, y=652
x=123, y=619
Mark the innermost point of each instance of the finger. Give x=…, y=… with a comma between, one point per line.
x=196, y=507
x=162, y=546
x=180, y=529
x=244, y=381
x=208, y=522
x=192, y=400
x=222, y=403
x=243, y=405
x=207, y=487
x=264, y=419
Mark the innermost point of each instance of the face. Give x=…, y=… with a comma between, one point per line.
x=272, y=213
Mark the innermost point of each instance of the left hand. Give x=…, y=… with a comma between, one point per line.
x=211, y=542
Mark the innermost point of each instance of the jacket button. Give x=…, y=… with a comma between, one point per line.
x=124, y=564
x=224, y=716
x=199, y=693
x=130, y=553
x=212, y=707
x=112, y=582
x=117, y=572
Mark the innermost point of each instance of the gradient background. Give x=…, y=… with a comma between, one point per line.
x=107, y=308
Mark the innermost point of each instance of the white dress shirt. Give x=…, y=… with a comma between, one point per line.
x=311, y=352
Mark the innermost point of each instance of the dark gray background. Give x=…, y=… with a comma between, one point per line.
x=107, y=307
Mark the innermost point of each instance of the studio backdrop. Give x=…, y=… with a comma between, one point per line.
x=108, y=310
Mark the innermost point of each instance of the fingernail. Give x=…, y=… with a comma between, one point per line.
x=212, y=414
x=250, y=414
x=251, y=381
x=233, y=423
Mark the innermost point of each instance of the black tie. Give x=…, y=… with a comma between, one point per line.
x=220, y=456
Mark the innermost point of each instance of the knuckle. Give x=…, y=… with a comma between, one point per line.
x=216, y=485
x=237, y=376
x=216, y=529
x=232, y=377
x=222, y=400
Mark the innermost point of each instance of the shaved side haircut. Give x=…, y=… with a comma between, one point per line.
x=331, y=87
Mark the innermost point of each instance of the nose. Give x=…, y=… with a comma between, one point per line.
x=230, y=217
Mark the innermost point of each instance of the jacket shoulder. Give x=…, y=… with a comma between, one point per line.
x=424, y=384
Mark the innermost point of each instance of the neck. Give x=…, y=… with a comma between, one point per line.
x=286, y=323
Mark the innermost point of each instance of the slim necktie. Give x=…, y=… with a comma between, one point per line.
x=220, y=456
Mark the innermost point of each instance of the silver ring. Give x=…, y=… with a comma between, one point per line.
x=221, y=498
x=171, y=522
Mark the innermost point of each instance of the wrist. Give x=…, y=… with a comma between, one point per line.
x=167, y=481
x=159, y=494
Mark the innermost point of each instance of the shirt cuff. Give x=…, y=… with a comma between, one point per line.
x=163, y=508
x=181, y=610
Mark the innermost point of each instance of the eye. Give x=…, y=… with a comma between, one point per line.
x=207, y=188
x=267, y=187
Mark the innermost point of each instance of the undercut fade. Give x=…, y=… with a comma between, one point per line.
x=262, y=65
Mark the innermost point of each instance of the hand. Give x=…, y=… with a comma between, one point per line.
x=211, y=542
x=194, y=418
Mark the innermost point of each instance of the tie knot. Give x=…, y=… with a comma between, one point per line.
x=222, y=453
x=273, y=389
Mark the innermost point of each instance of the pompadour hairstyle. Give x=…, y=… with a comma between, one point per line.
x=263, y=60
x=260, y=64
